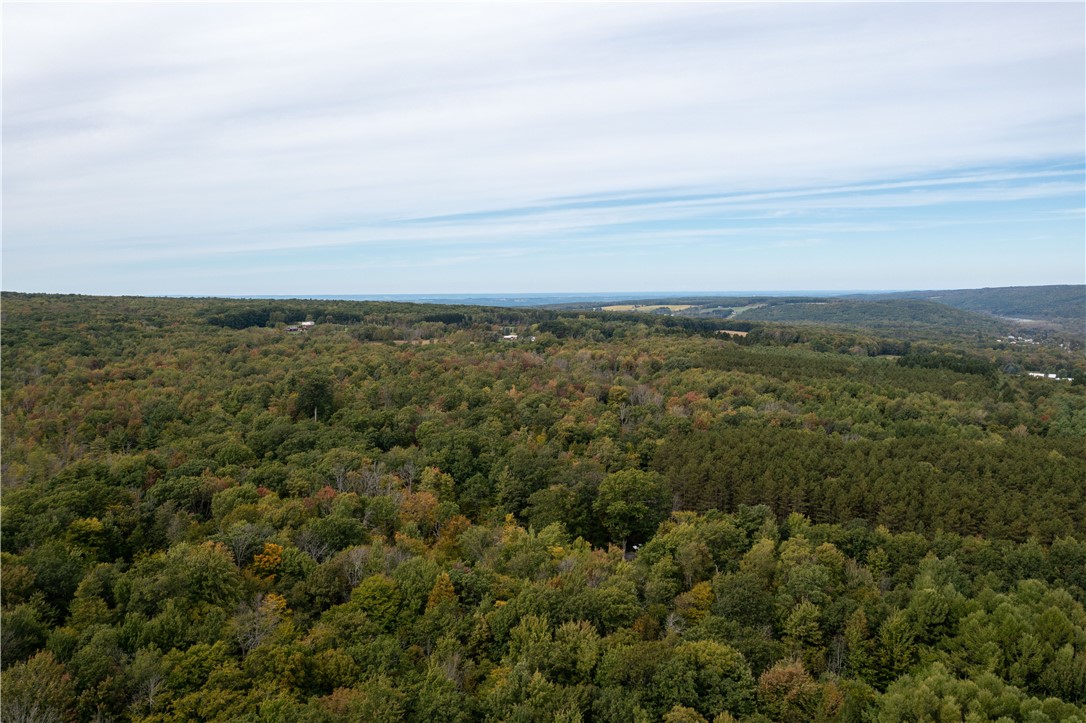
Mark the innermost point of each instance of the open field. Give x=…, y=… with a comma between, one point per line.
x=652, y=307
x=740, y=309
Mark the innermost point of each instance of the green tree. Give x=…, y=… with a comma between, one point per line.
x=803, y=634
x=379, y=598
x=707, y=676
x=860, y=660
x=896, y=650
x=312, y=396
x=631, y=504
x=933, y=693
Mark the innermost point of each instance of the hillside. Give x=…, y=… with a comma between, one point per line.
x=1053, y=315
x=907, y=318
x=874, y=314
x=1015, y=302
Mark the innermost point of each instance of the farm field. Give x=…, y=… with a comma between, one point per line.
x=647, y=308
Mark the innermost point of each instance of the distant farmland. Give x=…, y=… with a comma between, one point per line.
x=651, y=307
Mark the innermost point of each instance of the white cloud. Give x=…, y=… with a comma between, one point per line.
x=225, y=126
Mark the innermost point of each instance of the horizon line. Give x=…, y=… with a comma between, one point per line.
x=502, y=294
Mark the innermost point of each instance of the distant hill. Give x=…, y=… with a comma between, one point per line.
x=1043, y=303
x=872, y=314
x=992, y=311
x=885, y=315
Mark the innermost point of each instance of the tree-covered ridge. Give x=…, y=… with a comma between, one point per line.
x=401, y=513
x=876, y=314
x=1030, y=302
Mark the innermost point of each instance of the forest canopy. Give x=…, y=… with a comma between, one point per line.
x=214, y=512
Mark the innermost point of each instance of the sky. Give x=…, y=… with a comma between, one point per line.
x=342, y=148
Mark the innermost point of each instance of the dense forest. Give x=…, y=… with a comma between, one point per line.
x=212, y=512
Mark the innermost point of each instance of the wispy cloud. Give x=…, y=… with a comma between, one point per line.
x=439, y=136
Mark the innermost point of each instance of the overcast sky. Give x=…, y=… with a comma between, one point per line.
x=353, y=149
